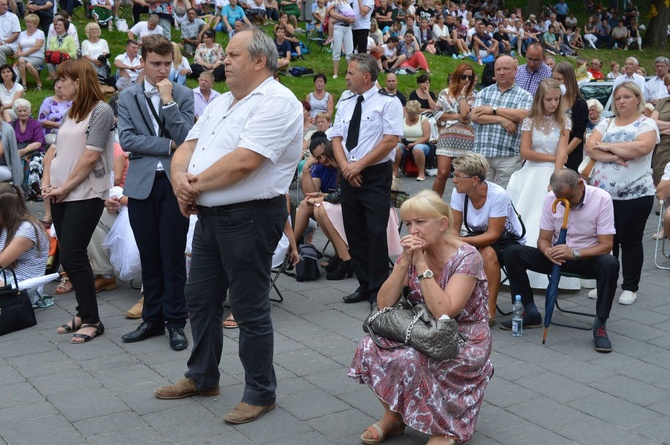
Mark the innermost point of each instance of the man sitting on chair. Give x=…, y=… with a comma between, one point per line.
x=587, y=251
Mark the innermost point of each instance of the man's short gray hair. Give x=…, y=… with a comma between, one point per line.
x=262, y=44
x=634, y=60
x=662, y=59
x=367, y=64
x=563, y=180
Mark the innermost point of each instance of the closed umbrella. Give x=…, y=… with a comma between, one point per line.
x=552, y=287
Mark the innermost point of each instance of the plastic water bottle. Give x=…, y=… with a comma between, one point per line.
x=517, y=318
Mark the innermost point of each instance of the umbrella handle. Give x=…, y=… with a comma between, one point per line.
x=566, y=203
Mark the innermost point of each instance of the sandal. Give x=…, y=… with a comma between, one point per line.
x=67, y=328
x=38, y=88
x=229, y=322
x=379, y=435
x=99, y=330
x=64, y=287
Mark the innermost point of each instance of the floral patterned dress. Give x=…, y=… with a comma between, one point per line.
x=456, y=138
x=433, y=397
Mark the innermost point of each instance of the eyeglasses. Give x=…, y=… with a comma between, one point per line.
x=459, y=177
x=465, y=76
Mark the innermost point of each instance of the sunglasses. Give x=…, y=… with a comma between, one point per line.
x=465, y=76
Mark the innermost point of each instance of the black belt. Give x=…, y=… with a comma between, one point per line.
x=341, y=24
x=218, y=210
x=377, y=167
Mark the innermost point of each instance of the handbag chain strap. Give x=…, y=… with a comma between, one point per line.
x=408, y=334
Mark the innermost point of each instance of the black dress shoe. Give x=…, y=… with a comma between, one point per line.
x=145, y=330
x=178, y=340
x=359, y=295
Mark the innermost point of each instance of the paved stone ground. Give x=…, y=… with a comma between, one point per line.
x=52, y=392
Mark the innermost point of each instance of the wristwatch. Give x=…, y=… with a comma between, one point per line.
x=495, y=110
x=427, y=274
x=575, y=254
x=169, y=103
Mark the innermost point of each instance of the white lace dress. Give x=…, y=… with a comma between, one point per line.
x=528, y=187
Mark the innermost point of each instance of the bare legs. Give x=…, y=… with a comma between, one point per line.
x=341, y=248
x=492, y=271
x=443, y=170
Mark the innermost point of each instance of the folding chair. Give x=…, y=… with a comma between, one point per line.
x=314, y=36
x=659, y=227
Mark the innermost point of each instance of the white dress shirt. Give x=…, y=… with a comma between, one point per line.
x=639, y=81
x=268, y=121
x=381, y=115
x=655, y=89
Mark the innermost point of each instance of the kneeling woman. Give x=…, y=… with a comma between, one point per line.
x=488, y=215
x=439, y=398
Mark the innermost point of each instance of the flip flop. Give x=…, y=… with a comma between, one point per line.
x=64, y=287
x=229, y=322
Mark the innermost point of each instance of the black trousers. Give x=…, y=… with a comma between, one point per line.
x=232, y=256
x=360, y=37
x=630, y=218
x=365, y=211
x=75, y=222
x=160, y=233
x=604, y=268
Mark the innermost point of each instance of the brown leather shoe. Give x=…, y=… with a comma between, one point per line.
x=102, y=283
x=182, y=389
x=244, y=413
x=135, y=312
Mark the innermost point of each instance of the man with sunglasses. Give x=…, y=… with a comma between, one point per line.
x=534, y=71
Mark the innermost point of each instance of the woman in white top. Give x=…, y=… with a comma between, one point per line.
x=320, y=99
x=622, y=147
x=489, y=217
x=96, y=51
x=30, y=51
x=10, y=90
x=24, y=246
x=180, y=66
x=415, y=139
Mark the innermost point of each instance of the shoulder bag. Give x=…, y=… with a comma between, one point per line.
x=16, y=309
x=415, y=326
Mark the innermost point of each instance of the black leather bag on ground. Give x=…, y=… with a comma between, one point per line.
x=16, y=309
x=415, y=326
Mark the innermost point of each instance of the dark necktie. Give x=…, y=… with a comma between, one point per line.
x=355, y=125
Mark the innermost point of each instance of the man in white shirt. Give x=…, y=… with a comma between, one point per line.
x=128, y=64
x=655, y=88
x=10, y=28
x=234, y=171
x=365, y=133
x=629, y=75
x=143, y=29
x=361, y=27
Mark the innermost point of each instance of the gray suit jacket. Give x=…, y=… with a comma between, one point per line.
x=137, y=135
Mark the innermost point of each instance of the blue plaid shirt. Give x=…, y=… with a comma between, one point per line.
x=492, y=140
x=529, y=80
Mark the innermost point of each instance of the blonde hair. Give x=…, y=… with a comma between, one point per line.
x=633, y=88
x=472, y=164
x=89, y=27
x=176, y=55
x=323, y=115
x=32, y=18
x=427, y=203
x=594, y=102
x=413, y=107
x=537, y=109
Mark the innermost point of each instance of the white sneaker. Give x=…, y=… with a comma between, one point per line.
x=627, y=297
x=593, y=294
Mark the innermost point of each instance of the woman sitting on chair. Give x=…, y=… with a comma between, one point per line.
x=489, y=217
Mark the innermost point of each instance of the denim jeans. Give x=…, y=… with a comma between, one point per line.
x=232, y=254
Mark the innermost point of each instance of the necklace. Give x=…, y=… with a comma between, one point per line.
x=8, y=92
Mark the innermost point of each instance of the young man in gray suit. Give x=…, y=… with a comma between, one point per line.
x=154, y=118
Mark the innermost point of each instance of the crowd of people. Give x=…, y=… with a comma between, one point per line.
x=137, y=170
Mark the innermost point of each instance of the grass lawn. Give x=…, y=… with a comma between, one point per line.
x=320, y=61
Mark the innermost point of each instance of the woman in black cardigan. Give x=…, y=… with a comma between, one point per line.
x=575, y=106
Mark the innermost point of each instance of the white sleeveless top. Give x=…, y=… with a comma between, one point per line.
x=318, y=105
